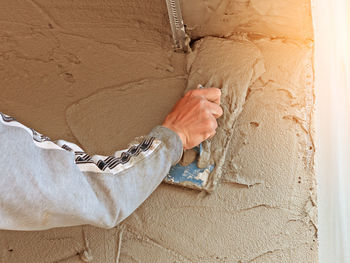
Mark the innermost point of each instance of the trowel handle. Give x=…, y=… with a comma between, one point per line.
x=199, y=147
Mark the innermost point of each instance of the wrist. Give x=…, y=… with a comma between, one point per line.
x=171, y=142
x=179, y=133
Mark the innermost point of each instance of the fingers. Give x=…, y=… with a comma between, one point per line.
x=214, y=109
x=194, y=117
x=211, y=128
x=211, y=94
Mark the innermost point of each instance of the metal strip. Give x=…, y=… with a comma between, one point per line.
x=181, y=40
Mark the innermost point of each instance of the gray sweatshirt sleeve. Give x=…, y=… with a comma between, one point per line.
x=46, y=184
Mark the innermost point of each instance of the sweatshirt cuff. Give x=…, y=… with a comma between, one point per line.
x=172, y=141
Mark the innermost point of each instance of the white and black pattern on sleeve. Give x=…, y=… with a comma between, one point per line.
x=111, y=162
x=6, y=118
x=82, y=158
x=39, y=139
x=121, y=160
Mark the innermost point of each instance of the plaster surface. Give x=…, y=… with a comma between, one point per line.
x=100, y=73
x=287, y=19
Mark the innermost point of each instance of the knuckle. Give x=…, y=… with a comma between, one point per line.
x=218, y=93
x=193, y=92
x=208, y=124
x=215, y=91
x=221, y=112
x=207, y=112
x=189, y=93
x=202, y=103
x=213, y=126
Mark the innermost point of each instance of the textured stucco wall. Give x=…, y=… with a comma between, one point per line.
x=62, y=59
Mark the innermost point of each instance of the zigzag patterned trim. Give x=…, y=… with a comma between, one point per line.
x=66, y=147
x=7, y=118
x=38, y=137
x=83, y=158
x=111, y=162
x=87, y=163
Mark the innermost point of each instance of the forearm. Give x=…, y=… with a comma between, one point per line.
x=47, y=184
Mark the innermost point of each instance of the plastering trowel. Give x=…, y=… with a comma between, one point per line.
x=190, y=175
x=186, y=174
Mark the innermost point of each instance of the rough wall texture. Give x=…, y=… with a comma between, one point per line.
x=62, y=59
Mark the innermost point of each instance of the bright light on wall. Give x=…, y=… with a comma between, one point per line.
x=332, y=82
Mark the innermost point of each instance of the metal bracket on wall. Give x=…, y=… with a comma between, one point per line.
x=181, y=40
